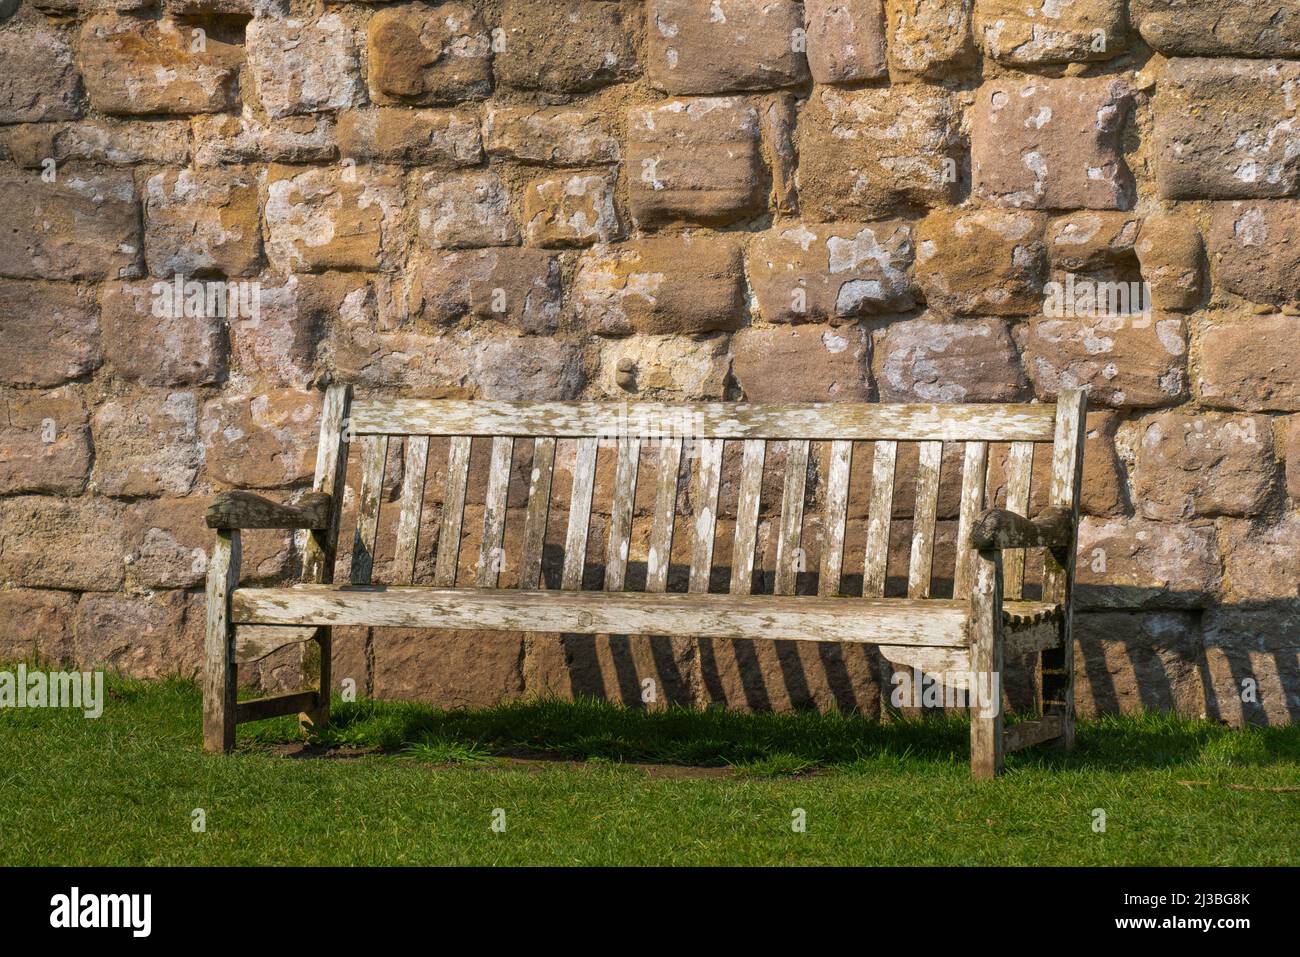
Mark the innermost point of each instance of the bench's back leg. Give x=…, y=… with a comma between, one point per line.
x=986, y=666
x=322, y=545
x=219, y=677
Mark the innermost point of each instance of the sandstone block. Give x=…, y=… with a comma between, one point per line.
x=846, y=40
x=1260, y=559
x=670, y=368
x=147, y=445
x=516, y=285
x=225, y=139
x=1252, y=364
x=1204, y=465
x=921, y=360
x=1255, y=250
x=150, y=636
x=202, y=223
x=527, y=368
x=44, y=543
x=1046, y=31
x=36, y=625
x=555, y=136
x=41, y=84
x=330, y=218
x=1188, y=28
x=725, y=46
x=426, y=55
x=986, y=262
x=49, y=333
x=929, y=38
x=565, y=46
x=110, y=141
x=1172, y=261
x=82, y=226
x=146, y=339
x=44, y=442
x=571, y=210
x=261, y=440
x=406, y=136
x=1135, y=563
x=1130, y=663
x=465, y=210
x=303, y=66
x=805, y=363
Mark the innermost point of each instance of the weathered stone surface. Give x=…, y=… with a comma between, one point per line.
x=1260, y=559
x=1135, y=563
x=331, y=218
x=571, y=210
x=202, y=223
x=696, y=160
x=846, y=40
x=465, y=210
x=1126, y=361
x=1223, y=129
x=1172, y=261
x=150, y=636
x=556, y=136
x=137, y=66
x=727, y=45
x=106, y=140
x=426, y=55
x=1255, y=250
x=1130, y=663
x=401, y=135
x=1251, y=363
x=146, y=339
x=44, y=543
x=1251, y=658
x=803, y=364
x=147, y=445
x=565, y=46
x=36, y=625
x=670, y=368
x=49, y=333
x=1103, y=491
x=831, y=272
x=82, y=226
x=170, y=543
x=261, y=440
x=1292, y=456
x=454, y=669
x=866, y=152
x=922, y=360
x=1227, y=28
x=1050, y=31
x=303, y=66
x=222, y=139
x=527, y=368
x=777, y=120
x=1098, y=242
x=44, y=442
x=515, y=285
x=40, y=83
x=280, y=342
x=929, y=38
x=983, y=262
x=1051, y=144
x=678, y=284
x=1204, y=465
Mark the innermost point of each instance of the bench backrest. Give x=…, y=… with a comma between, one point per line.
x=664, y=467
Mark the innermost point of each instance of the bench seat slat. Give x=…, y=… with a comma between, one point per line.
x=721, y=420
x=895, y=621
x=620, y=515
x=973, y=478
x=1020, y=463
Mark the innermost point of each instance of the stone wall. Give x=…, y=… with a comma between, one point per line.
x=844, y=200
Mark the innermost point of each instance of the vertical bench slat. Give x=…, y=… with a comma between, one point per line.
x=494, y=513
x=453, y=512
x=1020, y=463
x=620, y=516
x=787, y=544
x=708, y=479
x=876, y=567
x=974, y=473
x=920, y=568
x=575, y=541
x=539, y=506
x=833, y=515
x=374, y=450
x=743, y=545
x=661, y=533
x=412, y=506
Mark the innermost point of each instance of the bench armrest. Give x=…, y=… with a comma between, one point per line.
x=246, y=510
x=998, y=529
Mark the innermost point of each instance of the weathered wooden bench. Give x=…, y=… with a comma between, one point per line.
x=985, y=620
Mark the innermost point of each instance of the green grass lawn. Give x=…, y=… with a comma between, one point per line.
x=591, y=783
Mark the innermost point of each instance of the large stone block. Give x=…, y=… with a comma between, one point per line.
x=225, y=139
x=139, y=66
x=923, y=360
x=147, y=445
x=261, y=440
x=866, y=152
x=696, y=160
x=1172, y=261
x=1253, y=661
x=724, y=46
x=1223, y=129
x=426, y=55
x=149, y=636
x=663, y=285
x=803, y=364
x=986, y=262
x=448, y=669
x=846, y=40
x=202, y=223
x=1255, y=250
x=402, y=135
x=49, y=333
x=81, y=226
x=565, y=46
x=36, y=625
x=333, y=218
x=1051, y=144
x=831, y=272
x=1132, y=663
x=1228, y=28
x=555, y=136
x=280, y=343
x=105, y=140
x=1130, y=360
x=1136, y=563
x=1251, y=363
x=671, y=368
x=571, y=210
x=465, y=210
x=526, y=368
x=1204, y=465
x=929, y=38
x=303, y=66
x=44, y=442
x=1051, y=31
x=61, y=543
x=514, y=285
x=146, y=339
x=41, y=83
x=1260, y=559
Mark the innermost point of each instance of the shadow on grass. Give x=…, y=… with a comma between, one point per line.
x=769, y=743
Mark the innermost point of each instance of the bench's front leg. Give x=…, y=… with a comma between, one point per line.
x=219, y=674
x=986, y=666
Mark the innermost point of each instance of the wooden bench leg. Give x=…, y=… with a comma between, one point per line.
x=316, y=669
x=219, y=672
x=986, y=666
